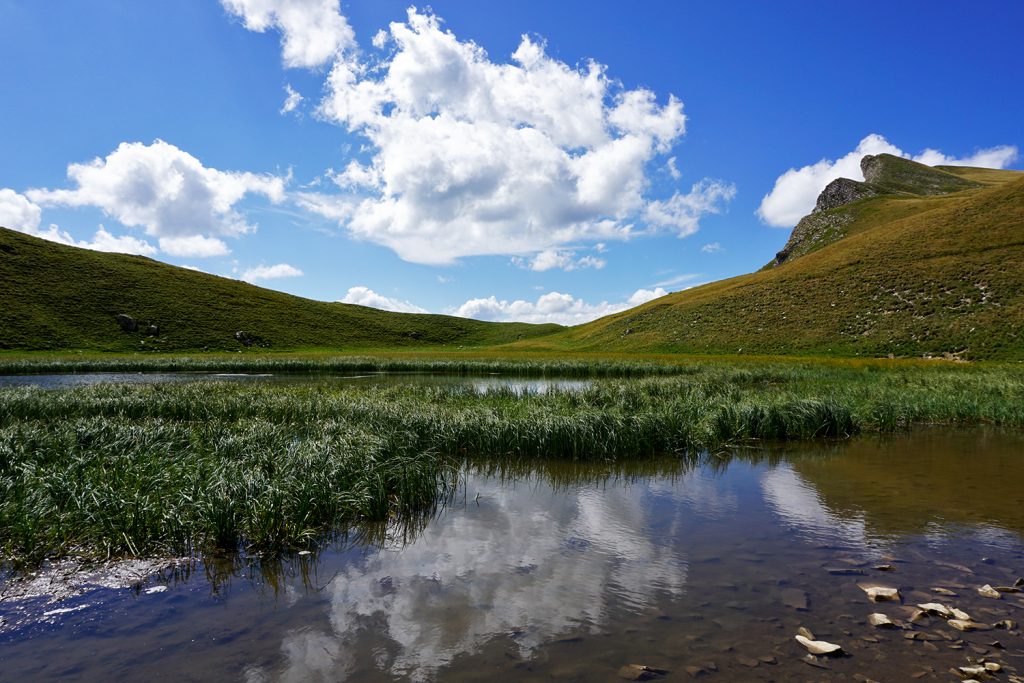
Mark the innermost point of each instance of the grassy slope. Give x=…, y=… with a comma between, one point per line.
x=913, y=275
x=58, y=297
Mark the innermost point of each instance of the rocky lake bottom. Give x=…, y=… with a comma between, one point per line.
x=661, y=569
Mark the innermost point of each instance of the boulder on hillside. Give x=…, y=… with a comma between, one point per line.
x=127, y=322
x=247, y=339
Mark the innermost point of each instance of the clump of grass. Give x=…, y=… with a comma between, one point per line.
x=118, y=486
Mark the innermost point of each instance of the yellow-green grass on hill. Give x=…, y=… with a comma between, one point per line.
x=56, y=297
x=912, y=276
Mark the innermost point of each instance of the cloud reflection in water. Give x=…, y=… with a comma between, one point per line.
x=528, y=562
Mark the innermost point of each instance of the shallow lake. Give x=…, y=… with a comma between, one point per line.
x=569, y=572
x=479, y=383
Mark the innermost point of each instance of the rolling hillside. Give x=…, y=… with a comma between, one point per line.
x=58, y=297
x=916, y=261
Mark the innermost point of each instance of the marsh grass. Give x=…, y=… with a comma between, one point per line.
x=116, y=470
x=344, y=365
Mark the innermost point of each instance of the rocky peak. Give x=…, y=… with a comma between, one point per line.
x=872, y=166
x=842, y=191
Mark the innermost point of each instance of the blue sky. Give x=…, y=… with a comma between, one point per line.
x=439, y=161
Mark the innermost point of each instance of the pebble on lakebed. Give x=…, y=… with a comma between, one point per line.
x=640, y=672
x=879, y=593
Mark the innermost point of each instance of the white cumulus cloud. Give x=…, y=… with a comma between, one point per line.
x=274, y=272
x=168, y=193
x=121, y=244
x=712, y=248
x=796, y=191
x=471, y=156
x=550, y=259
x=313, y=32
x=193, y=245
x=553, y=307
x=18, y=212
x=364, y=296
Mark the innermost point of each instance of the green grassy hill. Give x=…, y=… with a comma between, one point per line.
x=918, y=261
x=58, y=297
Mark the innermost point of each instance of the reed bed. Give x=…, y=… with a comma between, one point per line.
x=340, y=365
x=116, y=470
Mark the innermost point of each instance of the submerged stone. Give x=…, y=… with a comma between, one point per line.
x=795, y=598
x=640, y=672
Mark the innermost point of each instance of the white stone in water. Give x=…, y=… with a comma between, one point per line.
x=819, y=647
x=880, y=593
x=960, y=614
x=156, y=589
x=994, y=667
x=961, y=625
x=879, y=620
x=972, y=670
x=988, y=591
x=936, y=608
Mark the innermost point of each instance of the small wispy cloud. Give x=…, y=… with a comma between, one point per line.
x=677, y=280
x=292, y=101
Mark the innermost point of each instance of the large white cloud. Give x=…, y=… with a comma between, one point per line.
x=168, y=193
x=553, y=307
x=796, y=191
x=312, y=31
x=469, y=156
x=364, y=296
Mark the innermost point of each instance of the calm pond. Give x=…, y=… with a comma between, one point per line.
x=570, y=572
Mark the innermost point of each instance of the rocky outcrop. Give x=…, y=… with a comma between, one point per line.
x=813, y=231
x=873, y=167
x=842, y=191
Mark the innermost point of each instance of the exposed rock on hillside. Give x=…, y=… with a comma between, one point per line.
x=842, y=191
x=813, y=231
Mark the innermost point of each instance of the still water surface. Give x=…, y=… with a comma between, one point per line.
x=555, y=571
